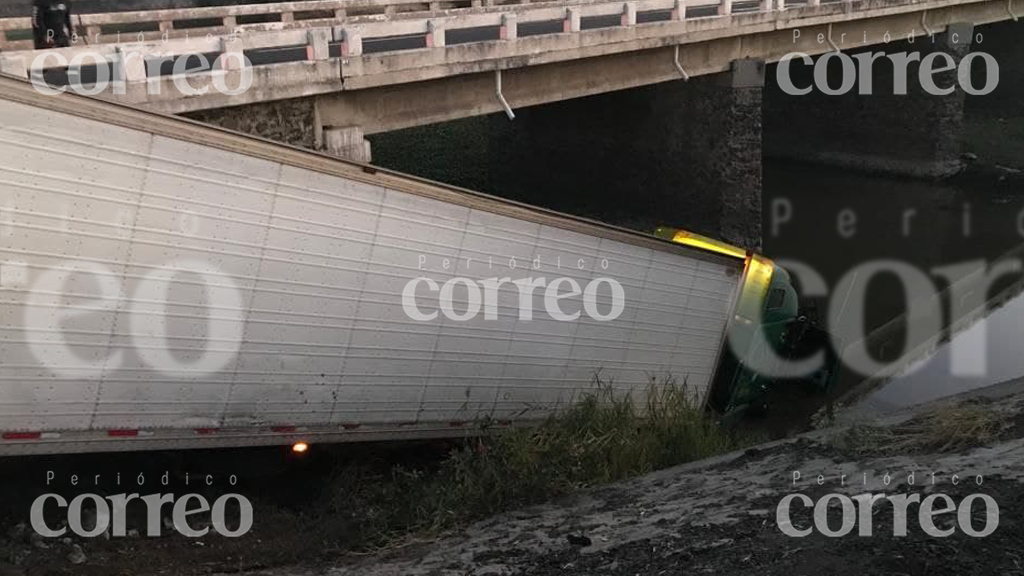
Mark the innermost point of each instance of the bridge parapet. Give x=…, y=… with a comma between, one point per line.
x=15, y=33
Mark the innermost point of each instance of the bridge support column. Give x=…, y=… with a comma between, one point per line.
x=347, y=142
x=898, y=127
x=682, y=154
x=731, y=164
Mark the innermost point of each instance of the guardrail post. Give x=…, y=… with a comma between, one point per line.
x=814, y=2
x=92, y=32
x=509, y=27
x=435, y=6
x=167, y=25
x=287, y=17
x=131, y=66
x=232, y=53
x=679, y=10
x=341, y=13
x=3, y=36
x=390, y=10
x=780, y=5
x=572, y=20
x=351, y=42
x=767, y=5
x=725, y=8
x=435, y=34
x=230, y=22
x=629, y=14
x=318, y=43
x=14, y=65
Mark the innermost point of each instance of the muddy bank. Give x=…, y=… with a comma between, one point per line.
x=719, y=515
x=715, y=516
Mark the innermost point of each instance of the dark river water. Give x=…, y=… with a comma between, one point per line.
x=840, y=221
x=604, y=157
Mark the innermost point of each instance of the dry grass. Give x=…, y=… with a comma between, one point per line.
x=946, y=429
x=602, y=438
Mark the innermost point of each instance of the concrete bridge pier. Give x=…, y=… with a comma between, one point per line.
x=731, y=163
x=678, y=153
x=347, y=142
x=681, y=153
x=914, y=133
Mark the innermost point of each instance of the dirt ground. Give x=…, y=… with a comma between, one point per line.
x=719, y=516
x=714, y=516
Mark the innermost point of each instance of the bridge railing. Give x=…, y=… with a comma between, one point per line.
x=15, y=33
x=346, y=39
x=360, y=50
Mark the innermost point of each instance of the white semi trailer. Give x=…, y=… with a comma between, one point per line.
x=164, y=284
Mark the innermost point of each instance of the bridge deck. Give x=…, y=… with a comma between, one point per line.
x=303, y=55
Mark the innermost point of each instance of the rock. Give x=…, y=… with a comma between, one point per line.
x=493, y=570
x=17, y=532
x=76, y=556
x=18, y=557
x=38, y=541
x=88, y=519
x=578, y=540
x=8, y=570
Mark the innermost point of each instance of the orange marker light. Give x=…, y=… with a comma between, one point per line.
x=300, y=447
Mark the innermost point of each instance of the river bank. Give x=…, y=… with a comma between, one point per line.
x=719, y=515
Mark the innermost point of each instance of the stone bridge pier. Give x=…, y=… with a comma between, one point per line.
x=883, y=119
x=681, y=153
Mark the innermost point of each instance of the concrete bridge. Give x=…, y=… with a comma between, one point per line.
x=355, y=68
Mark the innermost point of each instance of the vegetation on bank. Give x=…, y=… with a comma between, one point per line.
x=603, y=438
x=951, y=428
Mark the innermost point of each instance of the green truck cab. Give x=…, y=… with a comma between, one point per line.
x=766, y=327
